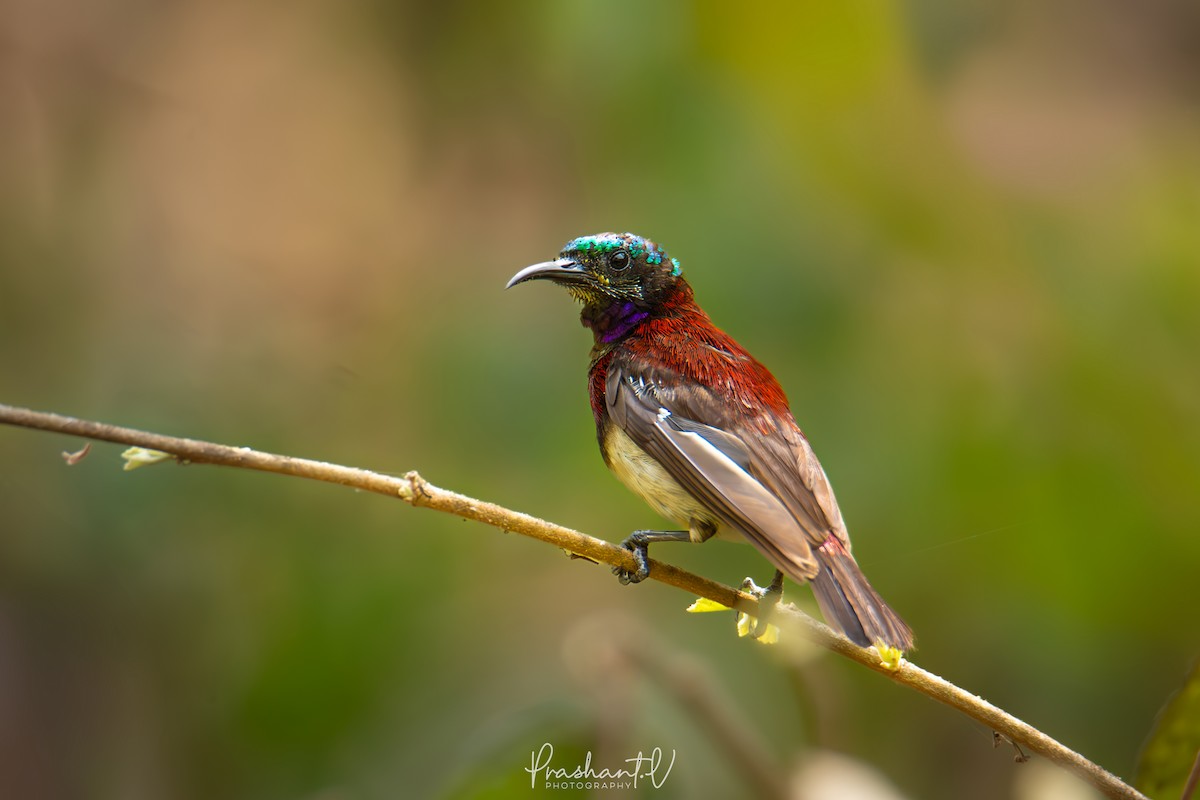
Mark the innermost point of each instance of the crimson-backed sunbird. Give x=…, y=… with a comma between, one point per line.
x=702, y=431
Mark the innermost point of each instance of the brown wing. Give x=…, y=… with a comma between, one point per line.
x=759, y=475
x=716, y=466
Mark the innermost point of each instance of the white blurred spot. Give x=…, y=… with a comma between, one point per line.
x=1041, y=780
x=825, y=775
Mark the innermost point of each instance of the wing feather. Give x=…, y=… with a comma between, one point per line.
x=717, y=467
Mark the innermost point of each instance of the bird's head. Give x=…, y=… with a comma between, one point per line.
x=607, y=270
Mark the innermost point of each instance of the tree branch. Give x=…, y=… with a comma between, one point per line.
x=415, y=490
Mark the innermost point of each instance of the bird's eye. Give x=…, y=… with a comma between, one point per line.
x=618, y=261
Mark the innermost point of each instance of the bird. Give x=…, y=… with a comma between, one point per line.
x=703, y=433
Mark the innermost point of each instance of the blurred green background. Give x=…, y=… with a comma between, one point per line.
x=964, y=236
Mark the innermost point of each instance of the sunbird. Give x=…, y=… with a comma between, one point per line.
x=701, y=431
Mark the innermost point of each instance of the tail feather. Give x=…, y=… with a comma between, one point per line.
x=851, y=605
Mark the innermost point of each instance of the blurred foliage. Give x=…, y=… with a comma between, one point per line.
x=963, y=235
x=1173, y=750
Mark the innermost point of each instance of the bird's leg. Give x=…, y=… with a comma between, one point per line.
x=768, y=600
x=638, y=543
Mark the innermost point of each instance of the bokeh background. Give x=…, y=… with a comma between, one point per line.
x=964, y=235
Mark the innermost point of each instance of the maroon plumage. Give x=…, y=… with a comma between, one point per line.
x=702, y=431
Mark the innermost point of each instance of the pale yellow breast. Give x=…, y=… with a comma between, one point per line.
x=646, y=477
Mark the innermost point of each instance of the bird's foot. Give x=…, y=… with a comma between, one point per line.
x=768, y=600
x=638, y=544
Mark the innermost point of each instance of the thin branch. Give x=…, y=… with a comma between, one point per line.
x=692, y=686
x=414, y=489
x=1193, y=779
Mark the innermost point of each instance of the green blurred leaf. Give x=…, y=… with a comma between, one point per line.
x=143, y=457
x=1172, y=748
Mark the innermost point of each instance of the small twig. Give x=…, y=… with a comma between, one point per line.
x=1019, y=755
x=415, y=490
x=79, y=455
x=1193, y=779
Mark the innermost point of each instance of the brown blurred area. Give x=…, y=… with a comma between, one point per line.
x=963, y=235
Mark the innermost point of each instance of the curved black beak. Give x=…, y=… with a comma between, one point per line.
x=563, y=270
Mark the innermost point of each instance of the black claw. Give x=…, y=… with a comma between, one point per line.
x=636, y=544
